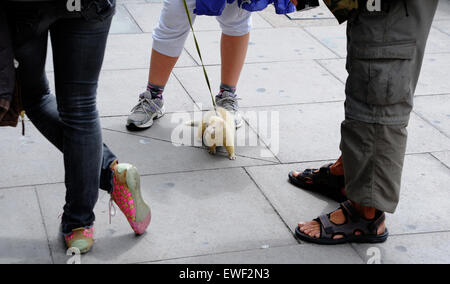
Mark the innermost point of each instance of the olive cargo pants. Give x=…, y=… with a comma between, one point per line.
x=385, y=55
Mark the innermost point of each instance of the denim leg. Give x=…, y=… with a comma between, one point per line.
x=41, y=106
x=106, y=177
x=78, y=50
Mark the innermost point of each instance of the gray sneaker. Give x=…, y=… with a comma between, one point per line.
x=229, y=101
x=143, y=114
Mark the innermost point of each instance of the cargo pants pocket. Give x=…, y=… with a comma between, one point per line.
x=381, y=75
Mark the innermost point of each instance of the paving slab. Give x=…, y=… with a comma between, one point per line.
x=266, y=45
x=297, y=254
x=193, y=214
x=434, y=69
x=436, y=110
x=443, y=11
x=267, y=84
x=423, y=206
x=410, y=249
x=123, y=22
x=119, y=90
x=303, y=128
x=336, y=67
x=443, y=26
x=444, y=157
x=28, y=160
x=423, y=138
x=172, y=128
x=152, y=156
x=22, y=237
x=147, y=16
x=334, y=37
x=424, y=201
x=301, y=132
x=133, y=51
x=438, y=42
x=321, y=12
x=36, y=161
x=128, y=51
x=293, y=204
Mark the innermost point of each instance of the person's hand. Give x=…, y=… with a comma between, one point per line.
x=294, y=2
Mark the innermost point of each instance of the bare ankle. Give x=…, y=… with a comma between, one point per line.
x=366, y=212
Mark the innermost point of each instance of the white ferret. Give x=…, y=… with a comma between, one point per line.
x=217, y=129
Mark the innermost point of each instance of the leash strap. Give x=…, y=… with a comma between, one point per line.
x=200, y=55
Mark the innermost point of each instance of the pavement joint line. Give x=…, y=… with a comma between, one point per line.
x=218, y=64
x=296, y=60
x=438, y=52
x=132, y=17
x=432, y=95
x=420, y=233
x=271, y=205
x=184, y=88
x=209, y=169
x=219, y=253
x=262, y=141
x=181, y=145
x=321, y=43
x=44, y=225
x=192, y=57
x=267, y=21
x=329, y=71
x=444, y=164
x=439, y=30
x=431, y=124
x=442, y=31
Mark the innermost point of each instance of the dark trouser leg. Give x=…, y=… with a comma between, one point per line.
x=71, y=121
x=41, y=106
x=78, y=50
x=6, y=63
x=385, y=54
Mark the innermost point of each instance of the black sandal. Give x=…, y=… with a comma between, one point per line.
x=354, y=224
x=321, y=181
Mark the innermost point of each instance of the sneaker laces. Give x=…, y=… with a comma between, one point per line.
x=228, y=103
x=152, y=106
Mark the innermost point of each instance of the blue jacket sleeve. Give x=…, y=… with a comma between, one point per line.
x=215, y=7
x=281, y=6
x=284, y=7
x=209, y=7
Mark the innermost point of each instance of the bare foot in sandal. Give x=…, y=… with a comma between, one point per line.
x=351, y=223
x=328, y=180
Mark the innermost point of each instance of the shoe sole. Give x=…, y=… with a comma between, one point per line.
x=134, y=127
x=143, y=212
x=378, y=239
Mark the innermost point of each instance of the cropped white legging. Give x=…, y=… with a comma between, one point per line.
x=173, y=28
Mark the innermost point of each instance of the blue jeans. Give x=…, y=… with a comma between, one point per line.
x=69, y=120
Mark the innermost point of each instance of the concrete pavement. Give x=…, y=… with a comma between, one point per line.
x=212, y=210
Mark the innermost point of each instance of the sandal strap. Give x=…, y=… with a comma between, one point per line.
x=350, y=211
x=355, y=223
x=373, y=227
x=327, y=226
x=324, y=176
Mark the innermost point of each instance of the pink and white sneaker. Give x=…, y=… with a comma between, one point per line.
x=127, y=195
x=80, y=238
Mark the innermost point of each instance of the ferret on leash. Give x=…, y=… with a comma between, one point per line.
x=217, y=129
